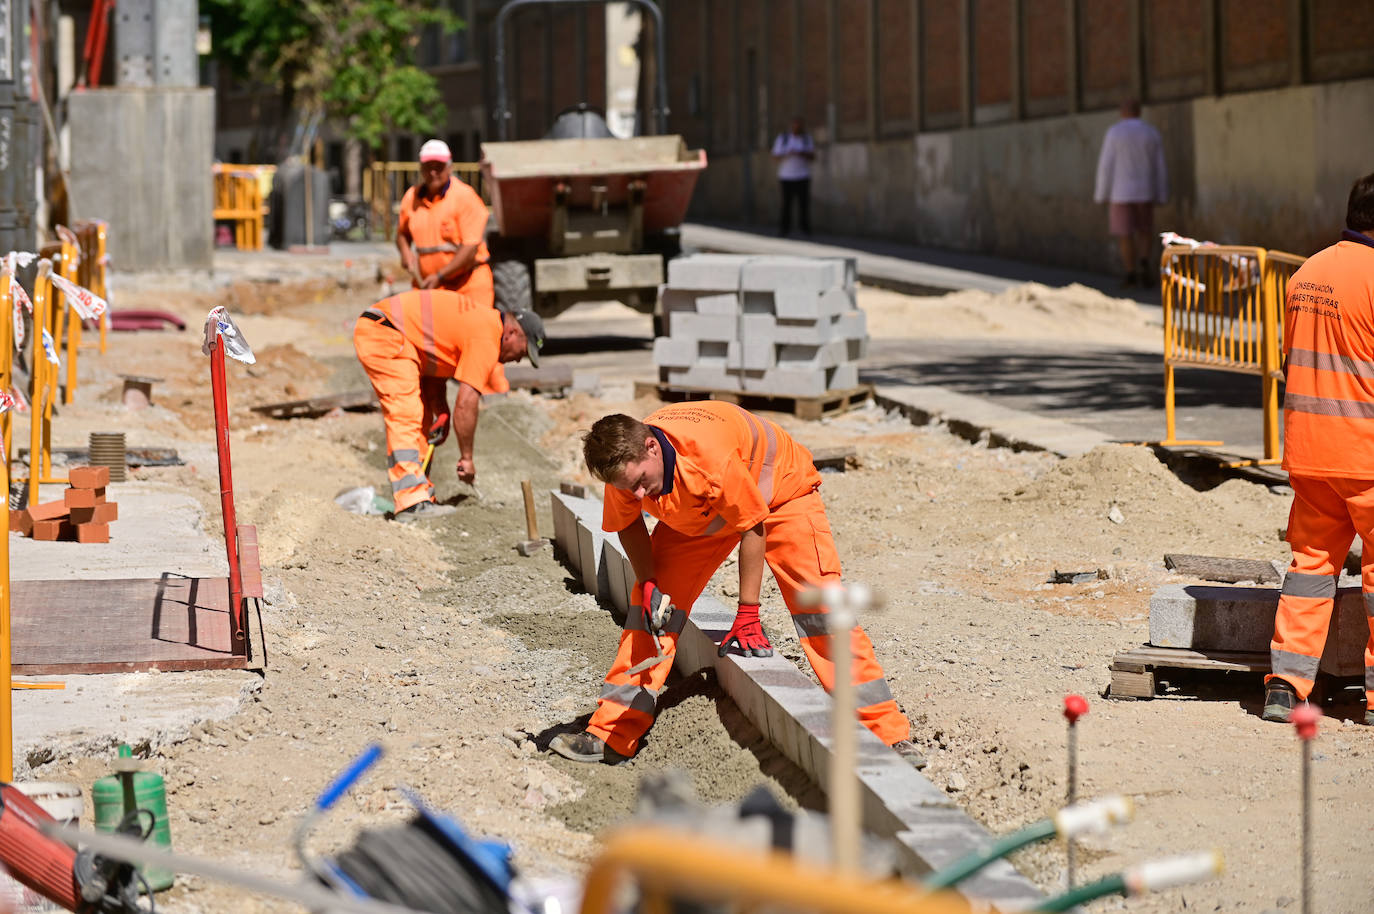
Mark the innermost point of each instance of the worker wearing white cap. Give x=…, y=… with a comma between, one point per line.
x=442, y=230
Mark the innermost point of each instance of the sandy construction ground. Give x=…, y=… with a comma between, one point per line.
x=463, y=658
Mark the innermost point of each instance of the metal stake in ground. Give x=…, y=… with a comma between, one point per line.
x=1075, y=706
x=1304, y=720
x=533, y=541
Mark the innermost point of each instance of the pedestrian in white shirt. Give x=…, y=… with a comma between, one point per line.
x=794, y=152
x=1131, y=179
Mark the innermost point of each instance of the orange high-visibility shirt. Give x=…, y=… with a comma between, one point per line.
x=454, y=337
x=1328, y=342
x=731, y=468
x=456, y=217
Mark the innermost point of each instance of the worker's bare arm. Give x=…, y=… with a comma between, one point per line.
x=751, y=549
x=635, y=539
x=465, y=427
x=408, y=258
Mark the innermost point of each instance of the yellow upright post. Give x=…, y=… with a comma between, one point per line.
x=71, y=255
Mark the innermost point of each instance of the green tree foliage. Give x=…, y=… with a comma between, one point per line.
x=348, y=60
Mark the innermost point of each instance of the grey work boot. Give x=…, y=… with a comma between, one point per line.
x=1280, y=699
x=907, y=750
x=423, y=510
x=584, y=747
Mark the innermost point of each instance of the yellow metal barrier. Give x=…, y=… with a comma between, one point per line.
x=44, y=383
x=669, y=865
x=385, y=183
x=93, y=272
x=66, y=261
x=1223, y=310
x=238, y=199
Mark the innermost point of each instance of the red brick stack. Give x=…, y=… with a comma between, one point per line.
x=82, y=515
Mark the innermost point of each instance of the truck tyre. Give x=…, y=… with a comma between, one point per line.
x=511, y=281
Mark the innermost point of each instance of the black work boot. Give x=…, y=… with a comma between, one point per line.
x=1280, y=699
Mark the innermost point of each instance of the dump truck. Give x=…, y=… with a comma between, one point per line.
x=582, y=215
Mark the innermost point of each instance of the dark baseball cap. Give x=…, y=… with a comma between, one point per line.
x=534, y=332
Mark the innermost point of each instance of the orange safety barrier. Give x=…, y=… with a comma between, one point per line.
x=66, y=261
x=667, y=865
x=238, y=199
x=385, y=183
x=93, y=270
x=1223, y=310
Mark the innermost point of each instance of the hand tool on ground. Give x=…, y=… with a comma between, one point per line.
x=533, y=541
x=657, y=608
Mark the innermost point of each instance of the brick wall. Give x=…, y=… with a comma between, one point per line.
x=1104, y=37
x=1044, y=56
x=1255, y=52
x=1342, y=38
x=1176, y=59
x=753, y=40
x=722, y=97
x=780, y=75
x=684, y=21
x=853, y=65
x=896, y=59
x=568, y=83
x=994, y=24
x=815, y=66
x=942, y=63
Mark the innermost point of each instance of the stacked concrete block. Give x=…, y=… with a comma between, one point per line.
x=83, y=514
x=770, y=325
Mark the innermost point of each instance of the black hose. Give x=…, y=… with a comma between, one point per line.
x=414, y=865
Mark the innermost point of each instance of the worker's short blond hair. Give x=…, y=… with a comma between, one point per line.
x=613, y=442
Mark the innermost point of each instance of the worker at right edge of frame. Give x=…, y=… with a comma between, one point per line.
x=1328, y=451
x=716, y=476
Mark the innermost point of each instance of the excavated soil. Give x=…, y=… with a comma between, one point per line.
x=463, y=658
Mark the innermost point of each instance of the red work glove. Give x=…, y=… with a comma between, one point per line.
x=747, y=634
x=434, y=396
x=649, y=599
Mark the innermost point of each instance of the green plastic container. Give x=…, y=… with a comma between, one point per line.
x=124, y=791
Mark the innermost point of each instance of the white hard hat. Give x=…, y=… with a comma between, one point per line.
x=435, y=151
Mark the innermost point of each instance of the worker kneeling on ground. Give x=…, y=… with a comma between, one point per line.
x=410, y=345
x=1328, y=451
x=715, y=476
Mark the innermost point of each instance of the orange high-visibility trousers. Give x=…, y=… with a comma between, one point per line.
x=800, y=550
x=1327, y=513
x=393, y=366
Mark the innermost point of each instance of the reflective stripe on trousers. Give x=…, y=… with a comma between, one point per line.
x=393, y=367
x=800, y=552
x=1327, y=514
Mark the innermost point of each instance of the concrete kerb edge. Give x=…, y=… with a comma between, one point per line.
x=1060, y=438
x=795, y=715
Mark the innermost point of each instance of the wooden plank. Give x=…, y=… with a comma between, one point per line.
x=1182, y=658
x=1128, y=684
x=171, y=623
x=1226, y=570
x=317, y=406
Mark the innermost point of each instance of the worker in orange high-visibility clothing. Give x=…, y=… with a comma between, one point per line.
x=442, y=230
x=1328, y=451
x=716, y=476
x=410, y=344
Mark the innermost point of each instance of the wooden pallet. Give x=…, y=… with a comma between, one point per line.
x=830, y=403
x=1133, y=672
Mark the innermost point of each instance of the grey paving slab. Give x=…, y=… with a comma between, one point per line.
x=1210, y=617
